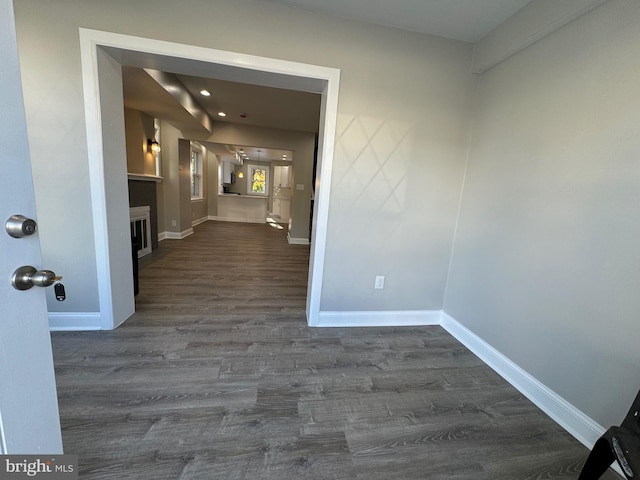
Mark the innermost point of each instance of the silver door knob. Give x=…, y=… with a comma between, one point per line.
x=26, y=277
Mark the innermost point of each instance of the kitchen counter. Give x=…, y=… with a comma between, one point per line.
x=242, y=208
x=242, y=196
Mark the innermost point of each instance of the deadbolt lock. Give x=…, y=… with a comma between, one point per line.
x=19, y=226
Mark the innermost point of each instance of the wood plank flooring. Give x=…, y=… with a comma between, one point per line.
x=217, y=376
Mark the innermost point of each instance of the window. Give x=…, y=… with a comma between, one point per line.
x=258, y=181
x=157, y=155
x=196, y=174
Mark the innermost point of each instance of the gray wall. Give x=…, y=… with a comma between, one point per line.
x=169, y=200
x=546, y=264
x=139, y=128
x=184, y=185
x=400, y=156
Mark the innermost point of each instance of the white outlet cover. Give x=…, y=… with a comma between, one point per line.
x=299, y=186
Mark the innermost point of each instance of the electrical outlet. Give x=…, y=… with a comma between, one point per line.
x=379, y=285
x=174, y=223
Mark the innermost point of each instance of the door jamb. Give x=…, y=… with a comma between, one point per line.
x=325, y=79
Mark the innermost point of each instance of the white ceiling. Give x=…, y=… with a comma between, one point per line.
x=466, y=20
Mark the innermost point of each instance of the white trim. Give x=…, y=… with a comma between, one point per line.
x=297, y=241
x=272, y=72
x=378, y=319
x=199, y=221
x=144, y=178
x=582, y=427
x=267, y=170
x=175, y=235
x=93, y=122
x=139, y=213
x=237, y=219
x=142, y=213
x=326, y=145
x=74, y=321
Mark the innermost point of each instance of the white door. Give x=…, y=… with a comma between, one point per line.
x=29, y=419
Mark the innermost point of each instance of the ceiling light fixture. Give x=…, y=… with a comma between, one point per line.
x=222, y=114
x=205, y=92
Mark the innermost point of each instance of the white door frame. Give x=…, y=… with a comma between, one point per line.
x=198, y=61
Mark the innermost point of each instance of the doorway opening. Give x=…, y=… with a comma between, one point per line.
x=103, y=54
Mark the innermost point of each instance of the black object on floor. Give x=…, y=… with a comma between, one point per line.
x=136, y=244
x=618, y=443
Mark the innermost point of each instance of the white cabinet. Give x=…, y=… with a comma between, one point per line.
x=281, y=175
x=227, y=168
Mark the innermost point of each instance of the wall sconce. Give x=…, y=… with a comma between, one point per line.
x=240, y=175
x=153, y=146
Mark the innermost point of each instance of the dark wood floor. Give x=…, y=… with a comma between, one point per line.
x=217, y=376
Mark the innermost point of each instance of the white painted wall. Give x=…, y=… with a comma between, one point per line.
x=404, y=106
x=546, y=264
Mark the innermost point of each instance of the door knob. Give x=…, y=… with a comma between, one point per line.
x=26, y=277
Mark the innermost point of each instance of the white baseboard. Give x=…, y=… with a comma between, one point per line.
x=175, y=235
x=582, y=427
x=237, y=219
x=74, y=321
x=378, y=319
x=199, y=221
x=297, y=241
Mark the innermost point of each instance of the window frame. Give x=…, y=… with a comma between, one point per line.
x=196, y=175
x=250, y=172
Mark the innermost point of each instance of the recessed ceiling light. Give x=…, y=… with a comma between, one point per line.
x=205, y=93
x=222, y=114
